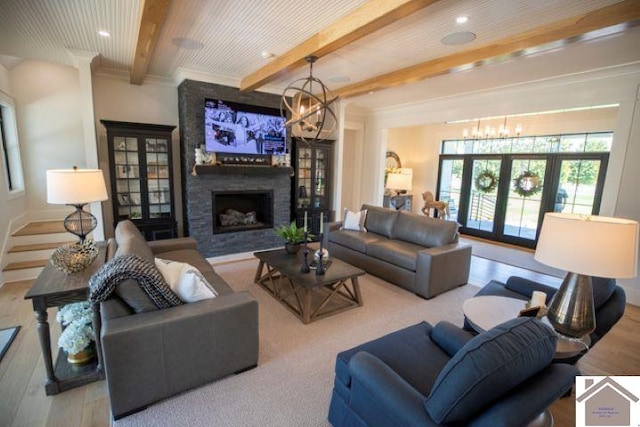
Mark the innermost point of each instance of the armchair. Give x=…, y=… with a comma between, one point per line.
x=443, y=375
x=609, y=301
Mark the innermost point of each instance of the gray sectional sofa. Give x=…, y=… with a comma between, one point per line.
x=150, y=354
x=418, y=253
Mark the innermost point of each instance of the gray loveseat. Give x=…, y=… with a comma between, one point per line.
x=418, y=253
x=150, y=354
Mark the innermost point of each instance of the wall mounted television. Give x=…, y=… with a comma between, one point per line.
x=244, y=129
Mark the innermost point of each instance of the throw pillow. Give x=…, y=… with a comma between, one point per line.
x=489, y=366
x=354, y=220
x=185, y=280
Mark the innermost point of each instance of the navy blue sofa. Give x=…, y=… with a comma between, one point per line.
x=609, y=301
x=430, y=376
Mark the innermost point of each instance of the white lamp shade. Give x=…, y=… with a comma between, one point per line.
x=75, y=186
x=398, y=181
x=589, y=245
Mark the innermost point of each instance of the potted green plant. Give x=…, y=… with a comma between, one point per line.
x=293, y=236
x=77, y=336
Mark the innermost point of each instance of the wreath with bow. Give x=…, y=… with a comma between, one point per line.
x=527, y=184
x=486, y=181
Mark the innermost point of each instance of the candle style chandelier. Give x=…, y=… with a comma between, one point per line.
x=490, y=132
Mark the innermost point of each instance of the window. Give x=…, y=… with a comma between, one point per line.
x=10, y=153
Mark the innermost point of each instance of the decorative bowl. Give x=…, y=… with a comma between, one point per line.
x=74, y=257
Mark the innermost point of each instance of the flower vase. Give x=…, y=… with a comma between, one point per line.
x=82, y=357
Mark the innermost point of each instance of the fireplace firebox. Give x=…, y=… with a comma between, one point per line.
x=234, y=211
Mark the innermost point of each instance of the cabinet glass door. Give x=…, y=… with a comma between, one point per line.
x=157, y=166
x=304, y=177
x=321, y=182
x=127, y=171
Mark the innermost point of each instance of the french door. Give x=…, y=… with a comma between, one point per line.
x=504, y=197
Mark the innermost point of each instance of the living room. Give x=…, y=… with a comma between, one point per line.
x=59, y=103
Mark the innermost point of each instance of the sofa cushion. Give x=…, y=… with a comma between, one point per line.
x=398, y=350
x=131, y=241
x=380, y=220
x=424, y=231
x=396, y=252
x=130, y=293
x=354, y=220
x=354, y=240
x=602, y=290
x=488, y=366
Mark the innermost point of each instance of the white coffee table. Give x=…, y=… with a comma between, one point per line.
x=485, y=312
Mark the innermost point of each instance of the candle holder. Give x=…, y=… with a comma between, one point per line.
x=305, y=255
x=320, y=269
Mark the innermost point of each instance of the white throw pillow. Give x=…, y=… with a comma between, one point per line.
x=354, y=220
x=185, y=280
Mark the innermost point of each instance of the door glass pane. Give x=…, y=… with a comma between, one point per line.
x=482, y=197
x=577, y=187
x=525, y=197
x=451, y=185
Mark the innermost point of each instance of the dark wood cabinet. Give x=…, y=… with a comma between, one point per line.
x=311, y=193
x=142, y=177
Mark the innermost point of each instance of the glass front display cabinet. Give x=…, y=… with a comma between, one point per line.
x=141, y=177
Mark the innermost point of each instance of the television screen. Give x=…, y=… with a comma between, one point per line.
x=246, y=129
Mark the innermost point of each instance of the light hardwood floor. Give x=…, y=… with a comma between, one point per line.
x=23, y=402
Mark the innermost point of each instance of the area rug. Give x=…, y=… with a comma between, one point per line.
x=6, y=338
x=510, y=254
x=293, y=381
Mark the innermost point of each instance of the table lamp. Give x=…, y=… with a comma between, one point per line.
x=77, y=187
x=585, y=246
x=400, y=183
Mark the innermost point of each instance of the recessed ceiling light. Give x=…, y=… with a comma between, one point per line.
x=462, y=19
x=104, y=33
x=266, y=54
x=371, y=92
x=455, y=39
x=187, y=43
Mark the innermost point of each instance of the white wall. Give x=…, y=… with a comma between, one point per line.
x=12, y=205
x=154, y=102
x=49, y=126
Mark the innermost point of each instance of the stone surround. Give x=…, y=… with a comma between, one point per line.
x=197, y=188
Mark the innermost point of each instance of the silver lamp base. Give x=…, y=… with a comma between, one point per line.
x=571, y=311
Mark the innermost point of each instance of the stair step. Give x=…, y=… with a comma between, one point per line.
x=43, y=227
x=26, y=264
x=36, y=247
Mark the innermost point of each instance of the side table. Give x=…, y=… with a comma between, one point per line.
x=486, y=311
x=54, y=288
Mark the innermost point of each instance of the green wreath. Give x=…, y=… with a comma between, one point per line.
x=486, y=181
x=532, y=181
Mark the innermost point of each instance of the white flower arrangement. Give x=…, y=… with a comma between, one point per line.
x=78, y=332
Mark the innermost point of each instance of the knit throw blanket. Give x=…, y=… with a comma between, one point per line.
x=130, y=266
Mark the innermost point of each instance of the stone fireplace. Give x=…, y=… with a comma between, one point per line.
x=201, y=218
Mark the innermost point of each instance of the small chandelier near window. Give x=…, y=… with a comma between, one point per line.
x=491, y=132
x=310, y=106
